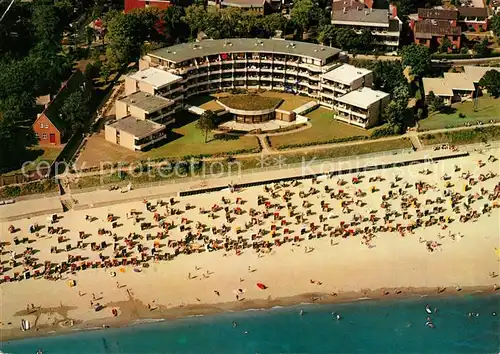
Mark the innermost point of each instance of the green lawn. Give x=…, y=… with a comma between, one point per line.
x=250, y=102
x=488, y=109
x=36, y=154
x=188, y=140
x=290, y=101
x=324, y=128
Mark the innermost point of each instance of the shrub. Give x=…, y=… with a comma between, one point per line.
x=38, y=187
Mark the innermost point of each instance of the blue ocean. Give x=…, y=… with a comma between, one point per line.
x=390, y=326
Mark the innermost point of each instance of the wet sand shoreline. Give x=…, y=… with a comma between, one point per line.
x=134, y=312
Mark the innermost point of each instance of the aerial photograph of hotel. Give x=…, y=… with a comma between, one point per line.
x=249, y=176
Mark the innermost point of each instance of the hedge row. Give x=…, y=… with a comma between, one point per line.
x=332, y=141
x=461, y=56
x=42, y=186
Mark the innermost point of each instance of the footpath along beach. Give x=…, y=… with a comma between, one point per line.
x=430, y=229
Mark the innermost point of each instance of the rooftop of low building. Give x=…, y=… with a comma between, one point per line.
x=137, y=127
x=186, y=51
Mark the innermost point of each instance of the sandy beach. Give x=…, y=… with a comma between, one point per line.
x=350, y=255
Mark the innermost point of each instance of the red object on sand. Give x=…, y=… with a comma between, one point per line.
x=261, y=286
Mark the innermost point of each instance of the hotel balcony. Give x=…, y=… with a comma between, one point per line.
x=143, y=143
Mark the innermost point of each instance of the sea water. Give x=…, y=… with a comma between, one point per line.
x=366, y=326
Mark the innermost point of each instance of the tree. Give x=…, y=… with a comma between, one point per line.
x=195, y=18
x=491, y=82
x=272, y=23
x=125, y=42
x=46, y=24
x=175, y=28
x=327, y=35
x=75, y=110
x=396, y=115
x=417, y=57
x=481, y=48
x=346, y=38
x=495, y=24
x=445, y=45
x=397, y=112
x=401, y=94
x=16, y=38
x=16, y=133
x=48, y=68
x=206, y=122
x=365, y=40
x=388, y=75
x=306, y=14
x=434, y=103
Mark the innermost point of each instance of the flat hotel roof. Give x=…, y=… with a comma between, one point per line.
x=346, y=74
x=185, y=51
x=146, y=101
x=363, y=97
x=155, y=77
x=137, y=127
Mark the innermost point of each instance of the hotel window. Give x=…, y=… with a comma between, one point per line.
x=44, y=136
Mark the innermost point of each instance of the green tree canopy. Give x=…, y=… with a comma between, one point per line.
x=388, y=75
x=206, y=122
x=491, y=82
x=16, y=134
x=434, y=103
x=18, y=21
x=124, y=35
x=327, y=35
x=195, y=18
x=46, y=23
x=397, y=113
x=481, y=48
x=495, y=24
x=272, y=23
x=417, y=57
x=306, y=14
x=445, y=45
x=75, y=110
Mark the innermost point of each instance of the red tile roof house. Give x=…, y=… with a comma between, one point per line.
x=48, y=126
x=433, y=25
x=141, y=4
x=473, y=18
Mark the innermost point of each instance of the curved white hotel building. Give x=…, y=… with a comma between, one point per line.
x=169, y=75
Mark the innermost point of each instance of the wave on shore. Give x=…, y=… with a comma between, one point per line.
x=385, y=326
